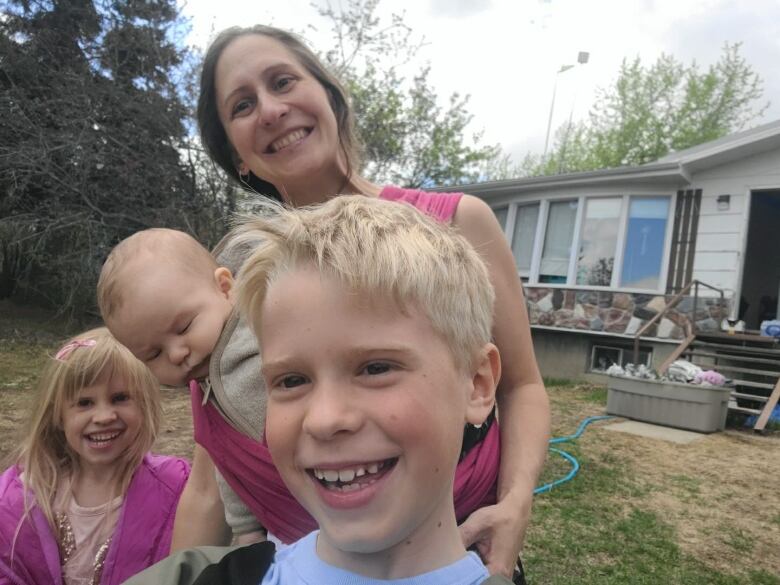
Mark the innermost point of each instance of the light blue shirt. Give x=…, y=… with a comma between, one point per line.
x=299, y=564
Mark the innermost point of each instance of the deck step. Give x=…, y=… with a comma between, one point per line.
x=752, y=384
x=768, y=373
x=750, y=397
x=737, y=337
x=737, y=358
x=736, y=349
x=744, y=409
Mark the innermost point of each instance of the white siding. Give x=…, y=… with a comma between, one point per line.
x=722, y=233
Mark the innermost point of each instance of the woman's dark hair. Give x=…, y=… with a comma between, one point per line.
x=213, y=133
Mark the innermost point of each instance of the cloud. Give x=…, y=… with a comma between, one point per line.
x=458, y=8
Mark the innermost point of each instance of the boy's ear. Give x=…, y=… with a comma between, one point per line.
x=482, y=395
x=224, y=280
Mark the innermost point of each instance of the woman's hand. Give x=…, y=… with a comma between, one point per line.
x=200, y=516
x=498, y=532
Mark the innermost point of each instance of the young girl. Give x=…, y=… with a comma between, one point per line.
x=85, y=502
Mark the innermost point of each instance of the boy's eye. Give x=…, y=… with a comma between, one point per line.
x=377, y=368
x=292, y=381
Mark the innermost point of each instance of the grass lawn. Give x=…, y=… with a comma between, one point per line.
x=641, y=511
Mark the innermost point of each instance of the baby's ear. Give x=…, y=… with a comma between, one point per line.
x=485, y=377
x=224, y=280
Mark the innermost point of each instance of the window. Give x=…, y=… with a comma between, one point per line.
x=598, y=241
x=501, y=215
x=620, y=240
x=561, y=218
x=603, y=356
x=524, y=234
x=645, y=239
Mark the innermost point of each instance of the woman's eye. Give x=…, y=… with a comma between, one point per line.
x=283, y=83
x=292, y=381
x=377, y=368
x=240, y=107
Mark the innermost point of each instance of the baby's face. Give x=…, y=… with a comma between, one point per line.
x=365, y=413
x=172, y=319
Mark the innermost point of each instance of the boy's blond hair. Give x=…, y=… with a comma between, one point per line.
x=175, y=247
x=380, y=249
x=44, y=454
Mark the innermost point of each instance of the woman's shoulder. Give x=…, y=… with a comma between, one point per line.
x=442, y=206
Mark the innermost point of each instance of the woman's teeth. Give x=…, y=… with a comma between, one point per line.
x=288, y=139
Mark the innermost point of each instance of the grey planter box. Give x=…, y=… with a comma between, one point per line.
x=684, y=406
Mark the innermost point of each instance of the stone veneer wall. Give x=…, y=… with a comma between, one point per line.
x=620, y=313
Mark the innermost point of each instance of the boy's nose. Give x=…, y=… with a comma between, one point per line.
x=330, y=412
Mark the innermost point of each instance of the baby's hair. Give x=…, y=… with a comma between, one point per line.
x=174, y=247
x=380, y=249
x=44, y=454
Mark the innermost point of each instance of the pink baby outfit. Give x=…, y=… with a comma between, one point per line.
x=141, y=538
x=246, y=463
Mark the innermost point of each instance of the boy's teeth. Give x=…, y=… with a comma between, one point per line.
x=346, y=475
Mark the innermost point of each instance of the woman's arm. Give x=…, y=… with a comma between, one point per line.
x=200, y=516
x=523, y=407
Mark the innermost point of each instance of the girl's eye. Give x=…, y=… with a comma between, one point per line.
x=292, y=381
x=153, y=356
x=377, y=368
x=84, y=402
x=120, y=397
x=184, y=329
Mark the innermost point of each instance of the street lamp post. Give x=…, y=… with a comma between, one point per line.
x=582, y=58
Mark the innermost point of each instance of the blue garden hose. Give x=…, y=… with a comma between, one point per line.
x=575, y=465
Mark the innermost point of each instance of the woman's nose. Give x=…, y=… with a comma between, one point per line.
x=272, y=109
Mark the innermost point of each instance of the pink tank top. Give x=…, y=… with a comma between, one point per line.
x=247, y=466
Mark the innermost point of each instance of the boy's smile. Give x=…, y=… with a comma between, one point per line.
x=365, y=418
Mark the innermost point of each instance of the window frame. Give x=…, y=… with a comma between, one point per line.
x=531, y=277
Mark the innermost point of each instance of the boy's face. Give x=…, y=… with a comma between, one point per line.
x=171, y=319
x=365, y=414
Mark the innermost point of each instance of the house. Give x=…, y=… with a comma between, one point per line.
x=602, y=252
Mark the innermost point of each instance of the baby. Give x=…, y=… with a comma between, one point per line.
x=168, y=300
x=375, y=326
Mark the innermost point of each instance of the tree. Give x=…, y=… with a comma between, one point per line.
x=92, y=126
x=650, y=112
x=409, y=138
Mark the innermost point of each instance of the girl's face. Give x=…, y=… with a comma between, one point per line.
x=101, y=423
x=275, y=113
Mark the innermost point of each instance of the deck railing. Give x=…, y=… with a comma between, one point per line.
x=689, y=326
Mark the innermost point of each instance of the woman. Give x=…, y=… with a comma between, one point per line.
x=274, y=119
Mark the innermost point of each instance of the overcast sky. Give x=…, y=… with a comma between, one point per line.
x=505, y=53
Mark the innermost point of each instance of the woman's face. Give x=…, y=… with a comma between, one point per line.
x=275, y=113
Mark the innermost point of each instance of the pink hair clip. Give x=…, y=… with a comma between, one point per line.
x=68, y=348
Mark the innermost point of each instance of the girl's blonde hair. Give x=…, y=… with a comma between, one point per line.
x=44, y=455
